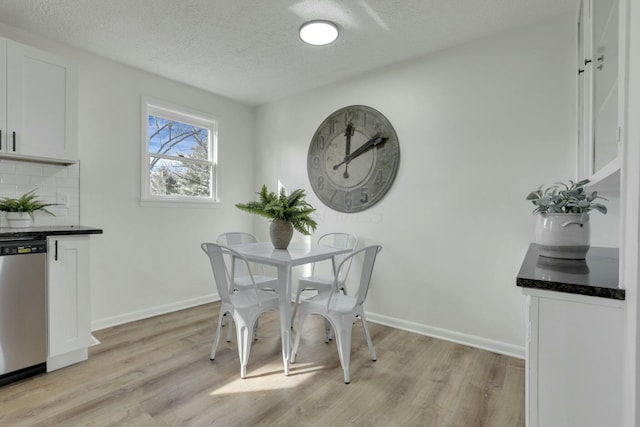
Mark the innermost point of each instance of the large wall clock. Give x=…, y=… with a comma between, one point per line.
x=353, y=158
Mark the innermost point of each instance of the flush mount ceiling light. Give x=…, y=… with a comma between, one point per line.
x=318, y=32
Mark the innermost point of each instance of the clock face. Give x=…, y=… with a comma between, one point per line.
x=353, y=158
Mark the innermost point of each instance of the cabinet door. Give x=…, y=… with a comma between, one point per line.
x=605, y=82
x=574, y=360
x=585, y=90
x=41, y=104
x=68, y=294
x=598, y=89
x=3, y=94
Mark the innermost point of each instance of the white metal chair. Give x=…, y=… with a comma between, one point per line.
x=239, y=270
x=238, y=274
x=244, y=305
x=341, y=310
x=323, y=274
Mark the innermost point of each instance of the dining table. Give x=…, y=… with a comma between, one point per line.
x=296, y=254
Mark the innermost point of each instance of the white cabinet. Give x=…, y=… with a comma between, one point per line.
x=574, y=360
x=38, y=105
x=599, y=116
x=68, y=300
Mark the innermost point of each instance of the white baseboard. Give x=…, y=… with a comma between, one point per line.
x=108, y=322
x=448, y=335
x=418, y=328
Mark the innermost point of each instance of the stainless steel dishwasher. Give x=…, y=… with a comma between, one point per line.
x=23, y=324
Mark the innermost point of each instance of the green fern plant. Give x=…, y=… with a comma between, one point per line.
x=292, y=208
x=27, y=203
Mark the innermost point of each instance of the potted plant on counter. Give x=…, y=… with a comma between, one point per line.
x=20, y=211
x=285, y=212
x=562, y=228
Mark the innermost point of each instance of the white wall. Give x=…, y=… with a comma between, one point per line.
x=150, y=257
x=148, y=260
x=480, y=125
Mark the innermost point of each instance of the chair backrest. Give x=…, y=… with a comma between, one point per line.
x=216, y=255
x=236, y=238
x=370, y=253
x=342, y=241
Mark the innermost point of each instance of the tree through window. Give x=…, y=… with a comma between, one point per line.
x=179, y=156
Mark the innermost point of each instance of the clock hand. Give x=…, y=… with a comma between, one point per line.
x=375, y=140
x=347, y=148
x=348, y=133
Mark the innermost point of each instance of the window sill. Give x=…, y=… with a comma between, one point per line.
x=179, y=204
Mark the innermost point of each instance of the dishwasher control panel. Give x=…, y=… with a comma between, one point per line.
x=22, y=247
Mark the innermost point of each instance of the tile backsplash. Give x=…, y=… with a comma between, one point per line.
x=53, y=184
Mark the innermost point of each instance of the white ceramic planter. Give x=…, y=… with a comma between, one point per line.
x=566, y=236
x=19, y=220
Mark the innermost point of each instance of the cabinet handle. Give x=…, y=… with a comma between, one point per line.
x=587, y=61
x=55, y=254
x=14, y=141
x=580, y=71
x=0, y=139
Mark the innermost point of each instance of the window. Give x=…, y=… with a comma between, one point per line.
x=179, y=155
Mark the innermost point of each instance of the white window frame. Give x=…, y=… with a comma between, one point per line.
x=151, y=106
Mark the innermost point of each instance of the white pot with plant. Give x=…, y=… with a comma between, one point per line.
x=20, y=211
x=285, y=212
x=563, y=229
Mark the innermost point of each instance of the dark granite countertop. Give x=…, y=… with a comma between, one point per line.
x=42, y=232
x=597, y=275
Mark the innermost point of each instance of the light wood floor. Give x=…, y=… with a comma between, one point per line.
x=157, y=372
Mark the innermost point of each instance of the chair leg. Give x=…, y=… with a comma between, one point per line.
x=244, y=337
x=328, y=332
x=255, y=332
x=328, y=336
x=214, y=347
x=343, y=327
x=295, y=305
x=296, y=343
x=229, y=324
x=368, y=337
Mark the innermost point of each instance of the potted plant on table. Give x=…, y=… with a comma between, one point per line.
x=562, y=228
x=20, y=211
x=285, y=212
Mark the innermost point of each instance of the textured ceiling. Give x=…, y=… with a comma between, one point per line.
x=250, y=51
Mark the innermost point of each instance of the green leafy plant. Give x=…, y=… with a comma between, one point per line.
x=28, y=203
x=566, y=198
x=292, y=208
